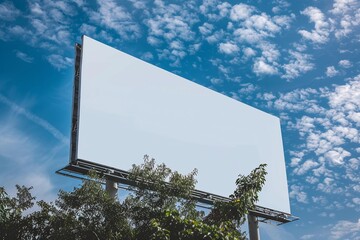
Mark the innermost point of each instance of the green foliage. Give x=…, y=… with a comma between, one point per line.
x=158, y=188
x=159, y=207
x=13, y=225
x=172, y=225
x=241, y=201
x=87, y=212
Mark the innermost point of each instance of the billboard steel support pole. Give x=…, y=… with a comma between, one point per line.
x=253, y=227
x=111, y=188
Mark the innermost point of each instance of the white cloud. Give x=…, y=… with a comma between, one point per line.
x=307, y=236
x=298, y=194
x=299, y=64
x=228, y=48
x=206, y=29
x=248, y=52
x=216, y=81
x=8, y=12
x=269, y=52
x=322, y=29
x=311, y=179
x=331, y=71
x=153, y=41
x=215, y=37
x=343, y=6
x=346, y=230
x=329, y=186
x=327, y=122
x=295, y=162
x=356, y=200
x=305, y=167
x=346, y=17
x=35, y=119
x=283, y=20
x=345, y=63
x=38, y=177
x=298, y=100
x=260, y=67
x=255, y=28
x=147, y=56
x=23, y=56
x=79, y=3
x=241, y=12
x=247, y=88
x=113, y=16
x=258, y=27
x=20, y=147
x=46, y=25
x=248, y=35
x=281, y=5
x=17, y=31
x=263, y=23
x=224, y=9
x=88, y=29
x=319, y=199
x=305, y=125
x=346, y=97
x=268, y=96
x=275, y=232
x=139, y=4
x=59, y=61
x=214, y=10
x=11, y=139
x=337, y=155
x=36, y=9
x=170, y=29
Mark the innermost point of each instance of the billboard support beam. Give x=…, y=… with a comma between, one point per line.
x=111, y=188
x=253, y=227
x=81, y=168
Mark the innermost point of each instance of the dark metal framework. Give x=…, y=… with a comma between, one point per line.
x=79, y=168
x=76, y=103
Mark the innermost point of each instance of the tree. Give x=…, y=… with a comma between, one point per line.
x=13, y=223
x=159, y=206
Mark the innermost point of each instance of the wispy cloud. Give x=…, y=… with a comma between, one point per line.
x=8, y=12
x=299, y=64
x=298, y=193
x=111, y=15
x=327, y=122
x=23, y=56
x=228, y=48
x=346, y=15
x=345, y=63
x=59, y=62
x=331, y=71
x=26, y=159
x=320, y=34
x=169, y=28
x=346, y=230
x=35, y=119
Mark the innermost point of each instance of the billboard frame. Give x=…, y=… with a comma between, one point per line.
x=79, y=168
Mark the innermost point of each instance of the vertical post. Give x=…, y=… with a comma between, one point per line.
x=111, y=188
x=253, y=227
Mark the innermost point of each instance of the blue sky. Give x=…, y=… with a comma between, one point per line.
x=297, y=60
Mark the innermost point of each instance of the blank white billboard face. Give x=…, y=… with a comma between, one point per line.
x=129, y=108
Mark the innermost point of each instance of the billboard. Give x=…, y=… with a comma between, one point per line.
x=129, y=108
